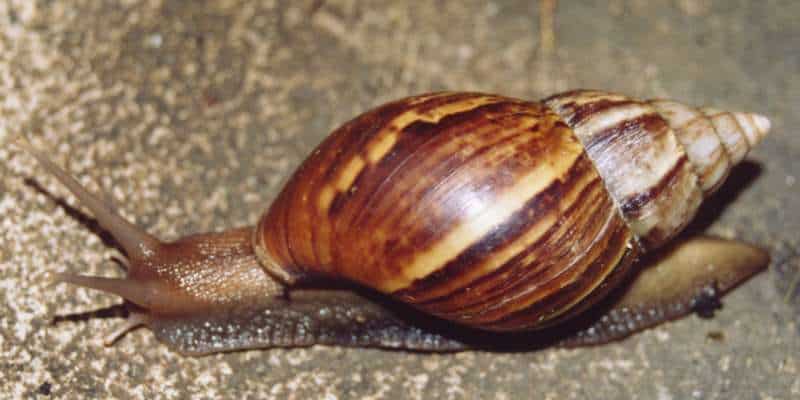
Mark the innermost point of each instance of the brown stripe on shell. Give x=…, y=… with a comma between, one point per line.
x=632, y=130
x=413, y=139
x=655, y=208
x=573, y=294
x=563, y=250
x=545, y=261
x=581, y=112
x=633, y=148
x=459, y=274
x=709, y=157
x=354, y=229
x=636, y=205
x=416, y=142
x=386, y=203
x=337, y=151
x=465, y=194
x=558, y=248
x=322, y=230
x=385, y=120
x=312, y=189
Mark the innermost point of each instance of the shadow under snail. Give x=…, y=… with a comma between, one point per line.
x=480, y=213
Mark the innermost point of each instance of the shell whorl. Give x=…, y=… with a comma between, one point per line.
x=714, y=140
x=493, y=212
x=658, y=158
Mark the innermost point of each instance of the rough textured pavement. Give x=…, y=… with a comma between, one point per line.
x=191, y=113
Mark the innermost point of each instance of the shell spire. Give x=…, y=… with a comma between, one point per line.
x=714, y=140
x=658, y=158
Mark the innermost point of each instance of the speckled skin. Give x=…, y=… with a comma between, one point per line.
x=152, y=73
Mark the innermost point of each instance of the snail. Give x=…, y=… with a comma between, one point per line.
x=454, y=212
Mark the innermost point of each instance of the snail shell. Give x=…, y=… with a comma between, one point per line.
x=500, y=213
x=495, y=213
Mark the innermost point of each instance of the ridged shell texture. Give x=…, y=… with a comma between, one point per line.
x=500, y=213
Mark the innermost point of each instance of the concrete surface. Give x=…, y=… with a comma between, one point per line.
x=191, y=113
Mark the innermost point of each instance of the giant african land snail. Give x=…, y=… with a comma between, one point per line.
x=489, y=212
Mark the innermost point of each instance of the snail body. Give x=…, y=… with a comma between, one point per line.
x=493, y=213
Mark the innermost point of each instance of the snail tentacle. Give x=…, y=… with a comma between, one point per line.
x=134, y=320
x=195, y=275
x=136, y=242
x=129, y=289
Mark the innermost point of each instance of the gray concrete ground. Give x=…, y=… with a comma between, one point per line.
x=191, y=113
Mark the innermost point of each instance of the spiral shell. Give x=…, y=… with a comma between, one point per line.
x=500, y=213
